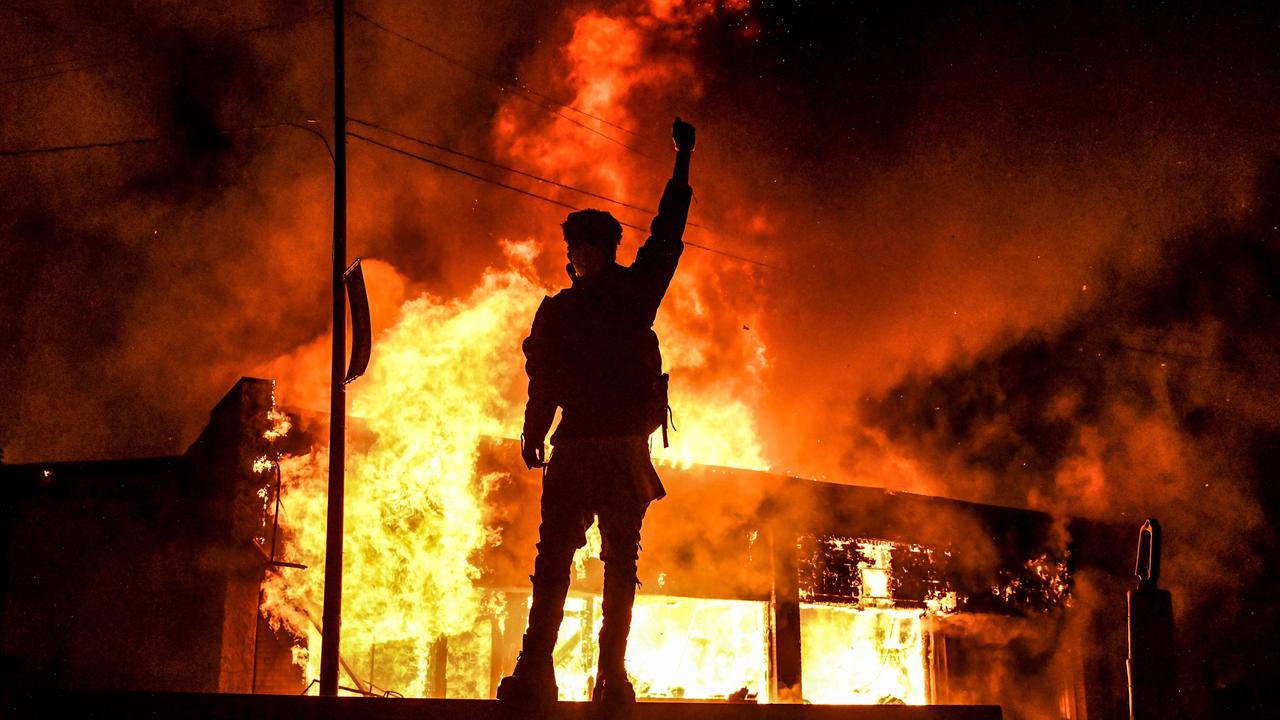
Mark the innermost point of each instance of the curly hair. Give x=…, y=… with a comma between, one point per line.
x=594, y=227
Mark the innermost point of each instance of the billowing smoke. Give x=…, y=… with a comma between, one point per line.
x=1155, y=400
x=142, y=280
x=929, y=179
x=997, y=277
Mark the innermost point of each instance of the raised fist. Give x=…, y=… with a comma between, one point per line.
x=683, y=133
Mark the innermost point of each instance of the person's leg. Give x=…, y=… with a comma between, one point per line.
x=561, y=532
x=620, y=523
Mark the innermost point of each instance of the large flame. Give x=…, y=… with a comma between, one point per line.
x=862, y=656
x=414, y=515
x=447, y=374
x=690, y=648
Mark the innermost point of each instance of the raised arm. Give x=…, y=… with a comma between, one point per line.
x=656, y=262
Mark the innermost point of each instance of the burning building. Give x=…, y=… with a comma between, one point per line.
x=187, y=574
x=1015, y=257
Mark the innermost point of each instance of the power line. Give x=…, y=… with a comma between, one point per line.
x=544, y=198
x=517, y=90
x=522, y=173
x=502, y=84
x=109, y=59
x=91, y=66
x=1111, y=345
x=469, y=174
x=87, y=146
x=506, y=168
x=492, y=164
x=154, y=139
x=1149, y=351
x=34, y=66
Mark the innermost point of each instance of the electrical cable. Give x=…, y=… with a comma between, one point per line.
x=52, y=63
x=21, y=152
x=92, y=66
x=469, y=174
x=522, y=173
x=544, y=198
x=109, y=59
x=517, y=90
x=502, y=84
x=490, y=163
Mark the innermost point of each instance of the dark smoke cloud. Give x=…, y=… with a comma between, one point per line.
x=933, y=181
x=1157, y=399
x=981, y=211
x=140, y=282
x=930, y=178
x=934, y=178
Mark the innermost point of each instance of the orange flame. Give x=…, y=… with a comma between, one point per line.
x=448, y=372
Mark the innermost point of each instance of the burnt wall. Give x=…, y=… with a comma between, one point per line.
x=137, y=574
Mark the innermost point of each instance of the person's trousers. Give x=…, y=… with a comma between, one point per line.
x=597, y=478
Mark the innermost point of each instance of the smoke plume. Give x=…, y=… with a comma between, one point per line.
x=1155, y=400
x=1020, y=255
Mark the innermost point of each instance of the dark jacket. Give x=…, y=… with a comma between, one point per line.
x=592, y=350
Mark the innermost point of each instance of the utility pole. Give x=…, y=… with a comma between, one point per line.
x=331, y=624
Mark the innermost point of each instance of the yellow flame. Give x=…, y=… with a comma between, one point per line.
x=280, y=423
x=414, y=519
x=680, y=648
x=875, y=572
x=862, y=656
x=447, y=374
x=873, y=651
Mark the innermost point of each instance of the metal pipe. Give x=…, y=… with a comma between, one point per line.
x=332, y=615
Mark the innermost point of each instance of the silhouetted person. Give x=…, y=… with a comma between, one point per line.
x=592, y=352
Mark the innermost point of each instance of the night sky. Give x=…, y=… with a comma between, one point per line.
x=1022, y=250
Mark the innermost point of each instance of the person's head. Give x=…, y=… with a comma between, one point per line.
x=592, y=237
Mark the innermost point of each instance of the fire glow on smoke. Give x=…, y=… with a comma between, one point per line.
x=449, y=372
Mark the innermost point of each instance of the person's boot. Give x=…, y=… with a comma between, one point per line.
x=613, y=692
x=534, y=679
x=612, y=685
x=533, y=682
